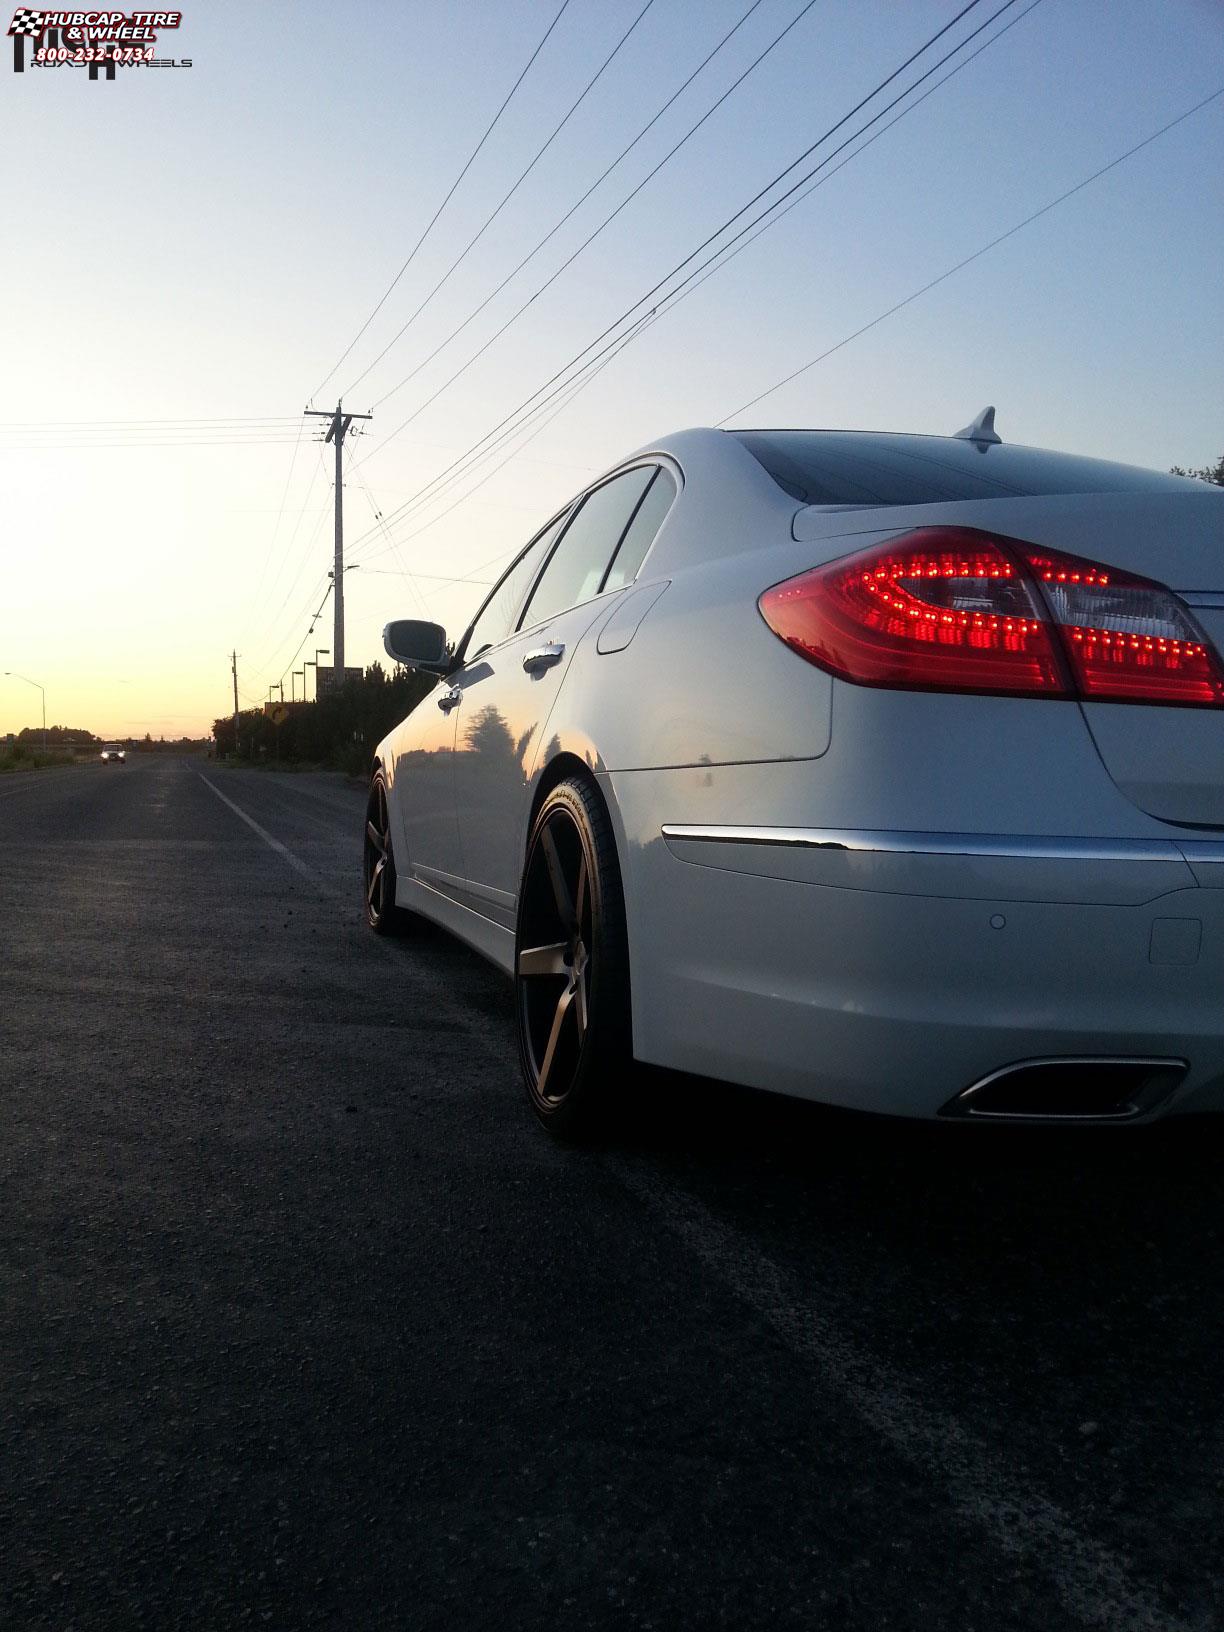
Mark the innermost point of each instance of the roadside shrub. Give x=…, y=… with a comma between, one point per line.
x=339, y=732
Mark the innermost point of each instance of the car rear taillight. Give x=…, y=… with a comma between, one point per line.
x=1127, y=639
x=953, y=609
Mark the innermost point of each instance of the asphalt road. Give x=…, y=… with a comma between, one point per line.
x=305, y=1324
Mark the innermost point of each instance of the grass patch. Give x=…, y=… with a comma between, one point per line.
x=20, y=759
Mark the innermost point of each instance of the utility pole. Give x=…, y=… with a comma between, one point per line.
x=234, y=668
x=336, y=432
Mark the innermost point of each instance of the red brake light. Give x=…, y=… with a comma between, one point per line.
x=1128, y=639
x=942, y=609
x=953, y=609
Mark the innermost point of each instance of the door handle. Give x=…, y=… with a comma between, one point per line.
x=543, y=657
x=449, y=699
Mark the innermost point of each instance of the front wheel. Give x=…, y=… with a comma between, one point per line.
x=378, y=868
x=571, y=966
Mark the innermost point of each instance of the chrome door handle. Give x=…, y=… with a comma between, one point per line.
x=449, y=699
x=543, y=657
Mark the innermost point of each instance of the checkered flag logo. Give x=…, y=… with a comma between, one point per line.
x=27, y=22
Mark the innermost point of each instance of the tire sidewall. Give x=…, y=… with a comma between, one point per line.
x=380, y=923
x=606, y=1045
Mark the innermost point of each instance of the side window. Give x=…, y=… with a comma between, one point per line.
x=497, y=616
x=646, y=522
x=581, y=559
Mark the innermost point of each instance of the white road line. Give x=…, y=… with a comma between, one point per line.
x=273, y=844
x=1091, y=1581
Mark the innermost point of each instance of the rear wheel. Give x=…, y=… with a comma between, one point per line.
x=572, y=967
x=378, y=870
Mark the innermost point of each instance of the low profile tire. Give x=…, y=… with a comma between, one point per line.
x=378, y=866
x=571, y=968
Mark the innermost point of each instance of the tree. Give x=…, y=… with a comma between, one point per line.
x=58, y=736
x=340, y=729
x=1206, y=473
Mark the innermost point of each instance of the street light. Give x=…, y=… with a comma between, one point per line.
x=320, y=651
x=294, y=676
x=12, y=673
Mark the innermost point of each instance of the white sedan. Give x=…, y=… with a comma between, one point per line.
x=877, y=769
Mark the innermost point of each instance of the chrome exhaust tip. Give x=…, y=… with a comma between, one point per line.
x=1085, y=1088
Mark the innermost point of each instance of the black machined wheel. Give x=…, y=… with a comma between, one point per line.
x=378, y=870
x=571, y=965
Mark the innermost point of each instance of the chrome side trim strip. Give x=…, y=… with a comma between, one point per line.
x=1006, y=845
x=1203, y=850
x=1209, y=600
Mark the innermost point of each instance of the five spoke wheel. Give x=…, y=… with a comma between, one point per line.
x=553, y=976
x=378, y=869
x=570, y=974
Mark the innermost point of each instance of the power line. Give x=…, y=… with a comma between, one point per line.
x=726, y=254
x=433, y=577
x=391, y=544
x=571, y=389
x=624, y=316
x=280, y=511
x=450, y=194
x=183, y=442
x=553, y=388
x=337, y=431
x=315, y=618
x=318, y=469
x=603, y=224
x=599, y=180
x=266, y=668
x=472, y=242
x=1035, y=215
x=303, y=563
x=272, y=419
x=574, y=387
x=330, y=580
x=590, y=239
x=978, y=253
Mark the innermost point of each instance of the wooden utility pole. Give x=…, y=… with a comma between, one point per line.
x=234, y=670
x=336, y=432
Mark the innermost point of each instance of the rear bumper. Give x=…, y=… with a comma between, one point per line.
x=890, y=971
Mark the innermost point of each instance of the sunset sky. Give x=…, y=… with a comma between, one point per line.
x=194, y=249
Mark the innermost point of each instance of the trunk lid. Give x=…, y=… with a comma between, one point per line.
x=1168, y=761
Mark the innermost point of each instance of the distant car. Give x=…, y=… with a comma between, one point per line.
x=113, y=754
x=876, y=769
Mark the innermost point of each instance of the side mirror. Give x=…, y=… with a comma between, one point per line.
x=417, y=645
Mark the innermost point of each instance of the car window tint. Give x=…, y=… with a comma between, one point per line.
x=497, y=617
x=879, y=468
x=581, y=559
x=647, y=520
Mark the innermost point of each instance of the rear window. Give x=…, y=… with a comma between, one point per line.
x=873, y=468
